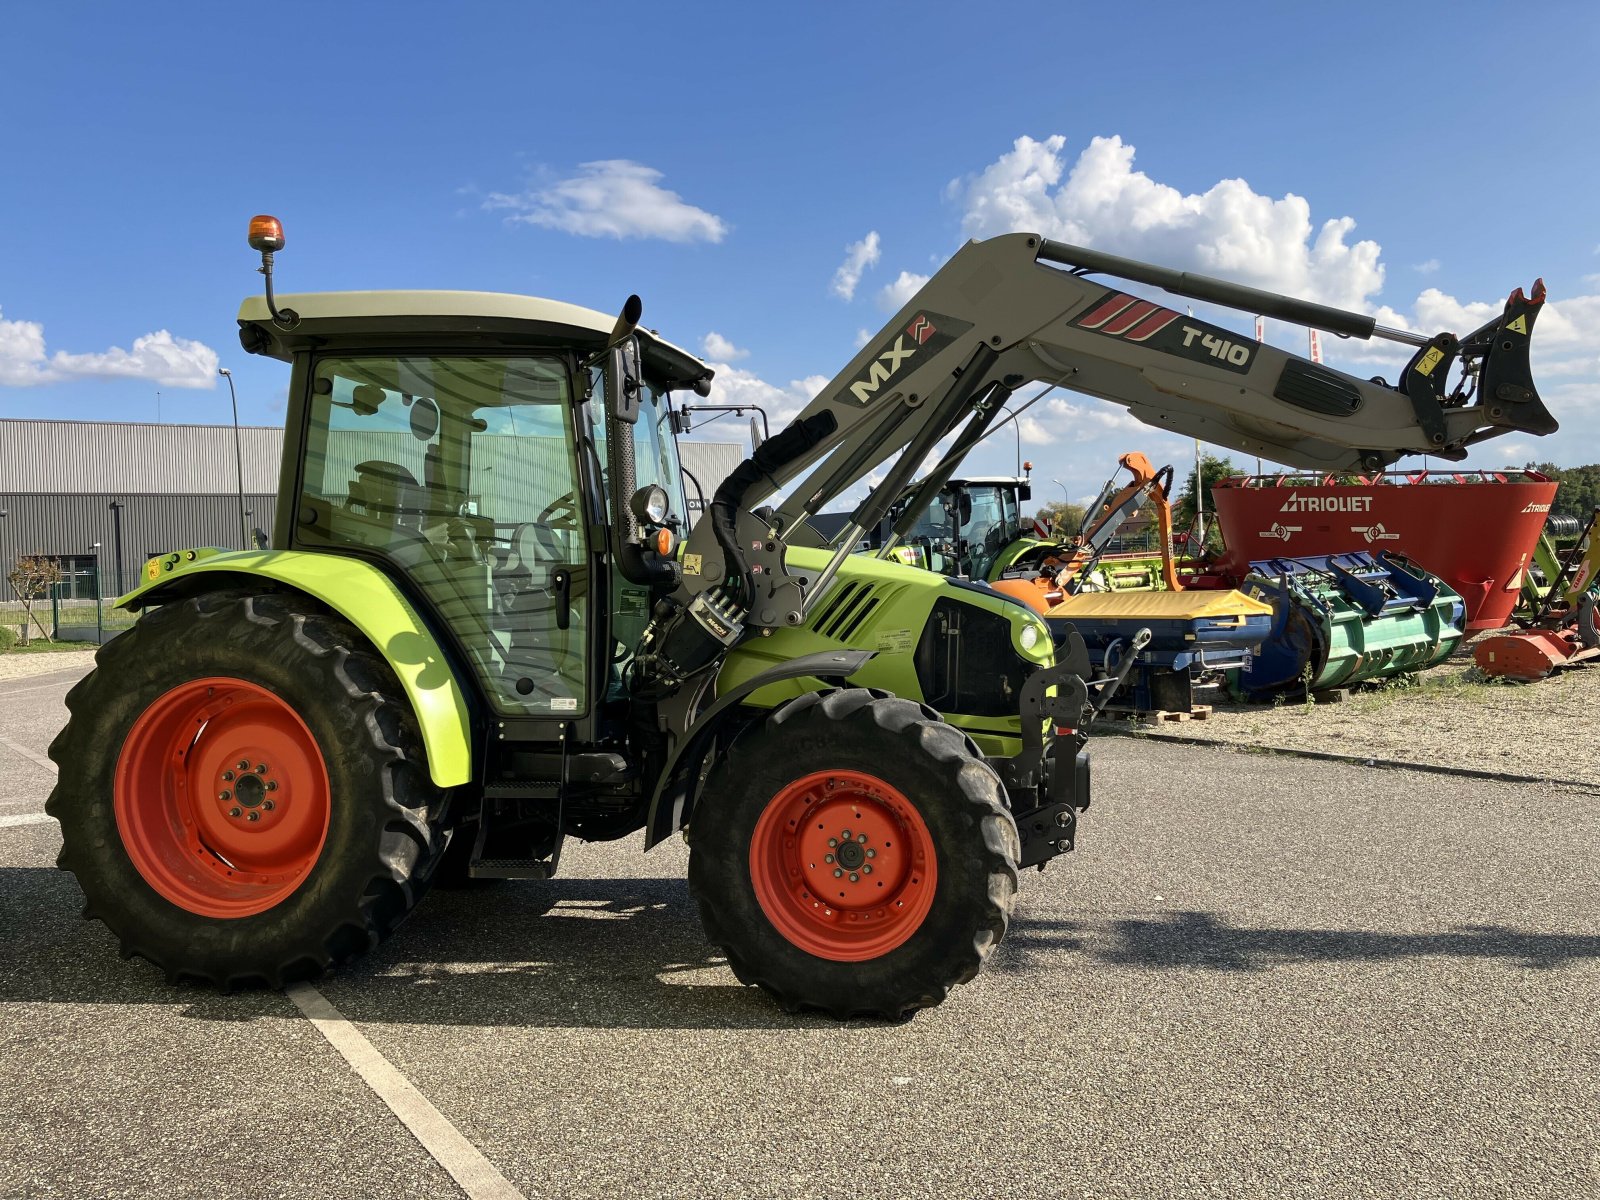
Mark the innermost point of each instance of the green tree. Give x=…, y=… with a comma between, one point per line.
x=1212, y=469
x=1065, y=519
x=1579, y=493
x=31, y=579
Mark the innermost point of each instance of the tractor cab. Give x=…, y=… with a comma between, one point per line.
x=966, y=527
x=506, y=477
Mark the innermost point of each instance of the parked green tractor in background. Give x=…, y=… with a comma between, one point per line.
x=480, y=629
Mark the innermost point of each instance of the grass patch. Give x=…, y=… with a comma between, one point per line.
x=40, y=646
x=1470, y=686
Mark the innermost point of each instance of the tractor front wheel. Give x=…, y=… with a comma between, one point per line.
x=242, y=792
x=854, y=854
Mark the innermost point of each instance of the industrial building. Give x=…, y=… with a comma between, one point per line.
x=101, y=497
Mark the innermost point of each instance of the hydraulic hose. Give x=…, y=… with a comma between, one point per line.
x=795, y=441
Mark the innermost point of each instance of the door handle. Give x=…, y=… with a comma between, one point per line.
x=561, y=580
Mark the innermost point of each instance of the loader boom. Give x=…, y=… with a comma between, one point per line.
x=1004, y=312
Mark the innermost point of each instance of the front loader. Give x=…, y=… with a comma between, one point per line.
x=480, y=630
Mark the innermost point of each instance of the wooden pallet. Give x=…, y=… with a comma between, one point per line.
x=1162, y=716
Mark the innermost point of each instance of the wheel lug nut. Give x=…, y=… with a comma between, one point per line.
x=833, y=841
x=261, y=768
x=837, y=872
x=227, y=776
x=272, y=786
x=872, y=854
x=867, y=870
x=234, y=812
x=225, y=795
x=845, y=835
x=854, y=878
x=862, y=838
x=244, y=764
x=254, y=816
x=269, y=806
x=827, y=858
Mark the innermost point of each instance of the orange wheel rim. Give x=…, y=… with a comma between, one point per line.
x=221, y=797
x=843, y=865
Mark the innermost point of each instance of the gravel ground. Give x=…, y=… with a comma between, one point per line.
x=26, y=666
x=1447, y=717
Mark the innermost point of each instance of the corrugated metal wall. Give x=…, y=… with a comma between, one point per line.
x=70, y=525
x=84, y=457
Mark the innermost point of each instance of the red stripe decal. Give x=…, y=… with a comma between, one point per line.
x=1122, y=322
x=1105, y=312
x=1152, y=325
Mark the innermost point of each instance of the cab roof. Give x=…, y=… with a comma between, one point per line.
x=387, y=316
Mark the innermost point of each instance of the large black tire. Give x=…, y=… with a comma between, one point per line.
x=933, y=767
x=382, y=810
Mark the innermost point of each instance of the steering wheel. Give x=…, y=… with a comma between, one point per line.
x=561, y=513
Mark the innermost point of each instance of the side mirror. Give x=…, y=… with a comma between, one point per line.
x=755, y=434
x=1025, y=491
x=964, y=507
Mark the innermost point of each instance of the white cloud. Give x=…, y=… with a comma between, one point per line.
x=158, y=357
x=720, y=348
x=1034, y=432
x=1228, y=230
x=858, y=256
x=863, y=336
x=614, y=198
x=1232, y=231
x=734, y=385
x=896, y=295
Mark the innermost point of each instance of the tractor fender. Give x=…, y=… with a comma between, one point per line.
x=367, y=598
x=673, y=801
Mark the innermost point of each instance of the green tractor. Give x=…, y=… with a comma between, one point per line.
x=483, y=627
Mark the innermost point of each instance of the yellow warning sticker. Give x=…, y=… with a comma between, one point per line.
x=1430, y=360
x=691, y=564
x=152, y=568
x=1520, y=325
x=894, y=641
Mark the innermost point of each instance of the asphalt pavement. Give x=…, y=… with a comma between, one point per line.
x=1257, y=976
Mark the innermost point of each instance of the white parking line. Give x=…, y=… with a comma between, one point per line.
x=448, y=1146
x=25, y=819
x=45, y=687
x=30, y=755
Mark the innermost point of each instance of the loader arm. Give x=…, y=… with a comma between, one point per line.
x=1020, y=308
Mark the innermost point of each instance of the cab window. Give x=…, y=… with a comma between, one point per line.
x=460, y=471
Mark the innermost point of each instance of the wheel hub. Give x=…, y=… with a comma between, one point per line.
x=261, y=832
x=843, y=865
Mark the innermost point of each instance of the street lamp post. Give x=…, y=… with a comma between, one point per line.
x=99, y=606
x=116, y=507
x=238, y=454
x=1063, y=488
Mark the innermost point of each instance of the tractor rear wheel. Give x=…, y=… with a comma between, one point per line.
x=242, y=791
x=854, y=854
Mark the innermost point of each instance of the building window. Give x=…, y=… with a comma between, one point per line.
x=80, y=577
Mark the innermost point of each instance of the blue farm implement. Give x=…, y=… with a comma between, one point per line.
x=1194, y=636
x=1342, y=619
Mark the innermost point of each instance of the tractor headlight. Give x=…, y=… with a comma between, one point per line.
x=1030, y=636
x=649, y=504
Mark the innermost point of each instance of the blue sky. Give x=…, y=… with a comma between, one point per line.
x=746, y=148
